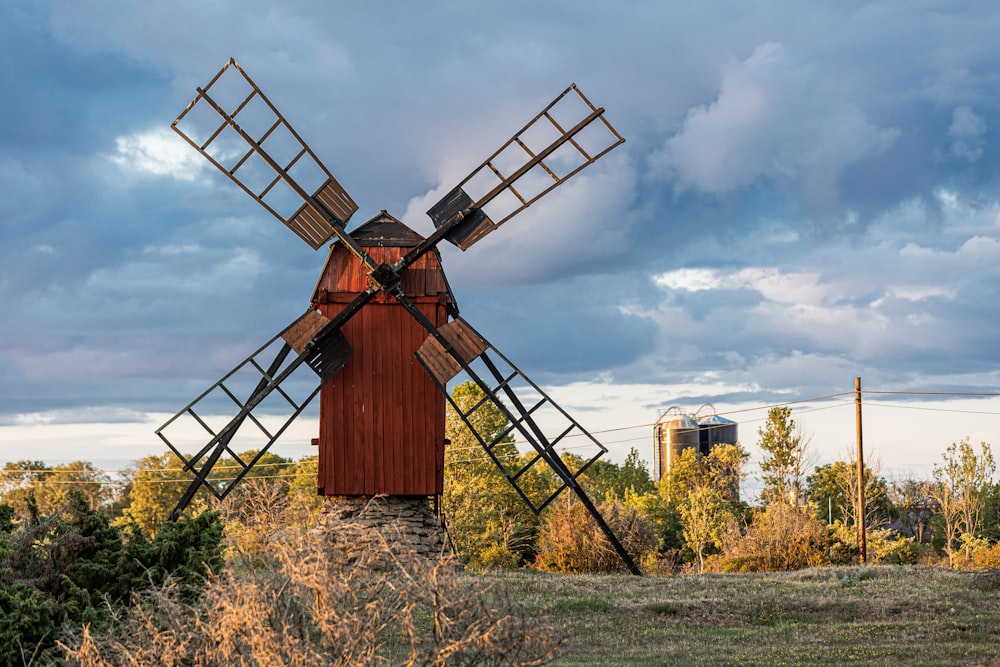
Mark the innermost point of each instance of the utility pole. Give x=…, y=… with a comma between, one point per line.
x=862, y=533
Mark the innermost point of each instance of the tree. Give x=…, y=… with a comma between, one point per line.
x=487, y=521
x=20, y=482
x=706, y=518
x=784, y=457
x=721, y=468
x=912, y=500
x=832, y=493
x=35, y=489
x=663, y=516
x=302, y=486
x=703, y=492
x=604, y=479
x=781, y=537
x=74, y=568
x=961, y=488
x=154, y=488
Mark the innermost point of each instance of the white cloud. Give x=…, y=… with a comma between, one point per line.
x=774, y=119
x=159, y=152
x=80, y=415
x=770, y=282
x=691, y=280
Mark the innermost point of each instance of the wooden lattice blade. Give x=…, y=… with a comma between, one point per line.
x=250, y=407
x=565, y=137
x=237, y=128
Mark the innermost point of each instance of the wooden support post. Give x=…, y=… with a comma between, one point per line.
x=862, y=532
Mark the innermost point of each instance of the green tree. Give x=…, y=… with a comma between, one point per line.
x=782, y=467
x=607, y=480
x=20, y=482
x=706, y=518
x=487, y=520
x=302, y=485
x=702, y=494
x=33, y=488
x=154, y=488
x=832, y=494
x=663, y=516
x=961, y=488
x=992, y=513
x=721, y=468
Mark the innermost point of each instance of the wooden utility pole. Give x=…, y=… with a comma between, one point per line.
x=862, y=532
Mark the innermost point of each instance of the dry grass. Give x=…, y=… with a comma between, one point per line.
x=823, y=616
x=286, y=598
x=307, y=611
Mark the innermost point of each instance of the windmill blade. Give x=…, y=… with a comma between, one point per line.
x=237, y=128
x=532, y=414
x=268, y=392
x=566, y=136
x=538, y=421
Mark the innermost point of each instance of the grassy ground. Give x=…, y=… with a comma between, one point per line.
x=879, y=615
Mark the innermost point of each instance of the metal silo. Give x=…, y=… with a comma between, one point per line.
x=714, y=430
x=672, y=434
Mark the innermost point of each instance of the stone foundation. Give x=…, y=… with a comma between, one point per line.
x=382, y=531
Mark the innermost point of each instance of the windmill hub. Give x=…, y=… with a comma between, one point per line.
x=385, y=278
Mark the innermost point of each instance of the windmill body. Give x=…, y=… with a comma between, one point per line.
x=382, y=330
x=382, y=427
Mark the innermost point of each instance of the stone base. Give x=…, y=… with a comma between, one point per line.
x=381, y=531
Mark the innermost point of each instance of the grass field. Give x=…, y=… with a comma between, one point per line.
x=879, y=615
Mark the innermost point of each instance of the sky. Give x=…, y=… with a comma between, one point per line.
x=808, y=193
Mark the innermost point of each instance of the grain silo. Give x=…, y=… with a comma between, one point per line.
x=674, y=432
x=713, y=429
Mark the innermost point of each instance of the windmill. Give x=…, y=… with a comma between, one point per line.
x=381, y=309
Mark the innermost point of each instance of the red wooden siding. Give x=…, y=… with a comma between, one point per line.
x=382, y=417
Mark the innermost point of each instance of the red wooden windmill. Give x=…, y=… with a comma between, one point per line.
x=382, y=331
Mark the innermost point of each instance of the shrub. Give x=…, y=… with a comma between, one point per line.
x=571, y=541
x=781, y=537
x=75, y=568
x=889, y=547
x=976, y=553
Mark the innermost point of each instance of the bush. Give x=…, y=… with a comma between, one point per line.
x=781, y=537
x=572, y=542
x=74, y=568
x=976, y=553
x=885, y=546
x=890, y=548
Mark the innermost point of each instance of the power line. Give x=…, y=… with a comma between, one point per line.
x=932, y=393
x=647, y=425
x=914, y=407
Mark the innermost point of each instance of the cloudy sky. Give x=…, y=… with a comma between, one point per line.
x=808, y=193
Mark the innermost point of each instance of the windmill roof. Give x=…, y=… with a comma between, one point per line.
x=385, y=230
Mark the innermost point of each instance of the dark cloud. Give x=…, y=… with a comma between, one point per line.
x=807, y=191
